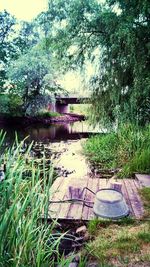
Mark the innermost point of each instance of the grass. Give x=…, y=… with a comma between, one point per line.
x=119, y=244
x=127, y=149
x=24, y=197
x=145, y=194
x=46, y=114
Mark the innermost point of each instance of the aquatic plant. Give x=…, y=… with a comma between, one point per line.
x=24, y=199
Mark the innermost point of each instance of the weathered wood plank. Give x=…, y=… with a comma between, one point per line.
x=103, y=183
x=144, y=179
x=138, y=185
x=135, y=203
x=88, y=197
x=66, y=205
x=95, y=188
x=75, y=209
x=126, y=196
x=137, y=200
x=59, y=195
x=68, y=188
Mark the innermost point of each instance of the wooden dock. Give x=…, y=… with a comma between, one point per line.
x=69, y=188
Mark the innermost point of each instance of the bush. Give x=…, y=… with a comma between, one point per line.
x=45, y=113
x=15, y=105
x=4, y=100
x=11, y=104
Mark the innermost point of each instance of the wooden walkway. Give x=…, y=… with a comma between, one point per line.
x=68, y=188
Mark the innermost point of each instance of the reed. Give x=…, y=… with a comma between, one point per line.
x=24, y=196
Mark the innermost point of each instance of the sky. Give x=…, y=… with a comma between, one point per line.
x=24, y=9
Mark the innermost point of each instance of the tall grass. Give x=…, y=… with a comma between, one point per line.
x=24, y=196
x=128, y=148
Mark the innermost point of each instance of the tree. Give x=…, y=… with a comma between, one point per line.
x=29, y=73
x=28, y=36
x=120, y=31
x=7, y=23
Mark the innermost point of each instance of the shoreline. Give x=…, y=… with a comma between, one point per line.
x=25, y=121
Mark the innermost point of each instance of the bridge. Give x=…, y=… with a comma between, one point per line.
x=62, y=102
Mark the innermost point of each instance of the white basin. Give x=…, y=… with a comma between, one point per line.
x=110, y=204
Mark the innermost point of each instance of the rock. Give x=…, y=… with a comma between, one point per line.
x=74, y=264
x=81, y=230
x=86, y=236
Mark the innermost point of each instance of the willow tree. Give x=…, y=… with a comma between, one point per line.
x=116, y=33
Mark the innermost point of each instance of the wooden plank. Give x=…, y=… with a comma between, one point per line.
x=88, y=196
x=133, y=198
x=138, y=185
x=53, y=191
x=144, y=179
x=55, y=186
x=137, y=199
x=63, y=211
x=103, y=183
x=75, y=209
x=95, y=188
x=54, y=208
x=126, y=196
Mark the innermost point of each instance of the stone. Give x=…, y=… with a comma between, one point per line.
x=73, y=264
x=81, y=230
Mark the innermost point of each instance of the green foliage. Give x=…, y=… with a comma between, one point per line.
x=4, y=100
x=31, y=71
x=24, y=199
x=114, y=35
x=11, y=104
x=101, y=150
x=7, y=23
x=92, y=226
x=15, y=105
x=128, y=149
x=46, y=113
x=139, y=163
x=83, y=109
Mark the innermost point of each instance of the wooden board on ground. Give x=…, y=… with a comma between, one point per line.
x=72, y=188
x=144, y=179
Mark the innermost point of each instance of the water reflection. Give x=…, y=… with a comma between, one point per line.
x=53, y=132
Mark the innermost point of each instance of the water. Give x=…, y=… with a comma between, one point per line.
x=61, y=142
x=51, y=133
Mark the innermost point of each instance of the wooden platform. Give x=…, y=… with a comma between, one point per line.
x=144, y=179
x=66, y=188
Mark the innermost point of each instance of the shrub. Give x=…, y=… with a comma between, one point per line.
x=45, y=113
